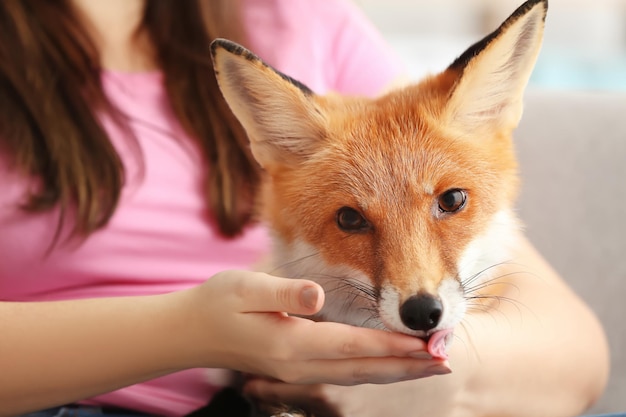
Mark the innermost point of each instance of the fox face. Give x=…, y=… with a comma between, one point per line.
x=400, y=205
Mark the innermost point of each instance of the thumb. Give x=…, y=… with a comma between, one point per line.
x=274, y=294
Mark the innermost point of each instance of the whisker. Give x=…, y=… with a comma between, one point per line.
x=351, y=291
x=480, y=302
x=465, y=282
x=497, y=280
x=294, y=261
x=478, y=274
x=470, y=347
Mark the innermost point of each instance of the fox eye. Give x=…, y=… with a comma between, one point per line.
x=452, y=200
x=350, y=220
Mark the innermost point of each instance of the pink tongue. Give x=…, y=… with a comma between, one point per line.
x=437, y=344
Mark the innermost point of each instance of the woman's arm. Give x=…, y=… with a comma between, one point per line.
x=53, y=353
x=537, y=351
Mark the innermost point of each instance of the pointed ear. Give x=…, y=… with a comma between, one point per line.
x=493, y=73
x=281, y=118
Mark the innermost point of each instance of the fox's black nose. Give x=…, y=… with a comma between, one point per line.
x=421, y=312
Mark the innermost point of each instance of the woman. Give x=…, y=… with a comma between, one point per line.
x=126, y=183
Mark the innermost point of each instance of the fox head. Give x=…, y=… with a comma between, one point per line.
x=396, y=205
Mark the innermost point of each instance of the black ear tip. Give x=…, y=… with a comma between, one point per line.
x=224, y=44
x=461, y=62
x=526, y=7
x=232, y=47
x=217, y=43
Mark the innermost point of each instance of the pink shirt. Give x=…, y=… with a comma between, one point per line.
x=160, y=238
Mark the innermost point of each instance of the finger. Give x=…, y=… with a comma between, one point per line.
x=324, y=340
x=267, y=293
x=365, y=371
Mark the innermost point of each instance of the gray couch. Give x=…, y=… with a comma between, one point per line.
x=572, y=147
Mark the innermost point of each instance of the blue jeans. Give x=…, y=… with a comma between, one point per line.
x=83, y=411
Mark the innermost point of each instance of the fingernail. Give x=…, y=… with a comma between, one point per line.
x=420, y=354
x=309, y=297
x=438, y=369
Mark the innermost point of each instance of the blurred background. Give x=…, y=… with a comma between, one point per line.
x=584, y=47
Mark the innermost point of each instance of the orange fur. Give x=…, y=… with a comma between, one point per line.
x=371, y=163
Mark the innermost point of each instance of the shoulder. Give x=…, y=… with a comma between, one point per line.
x=326, y=44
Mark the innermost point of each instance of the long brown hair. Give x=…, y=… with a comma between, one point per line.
x=50, y=90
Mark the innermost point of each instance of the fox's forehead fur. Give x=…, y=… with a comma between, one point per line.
x=396, y=150
x=399, y=143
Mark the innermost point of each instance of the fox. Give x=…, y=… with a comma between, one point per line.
x=400, y=205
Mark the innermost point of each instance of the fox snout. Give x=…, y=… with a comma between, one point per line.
x=420, y=309
x=421, y=312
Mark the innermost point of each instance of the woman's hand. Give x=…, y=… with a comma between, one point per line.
x=241, y=321
x=59, y=352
